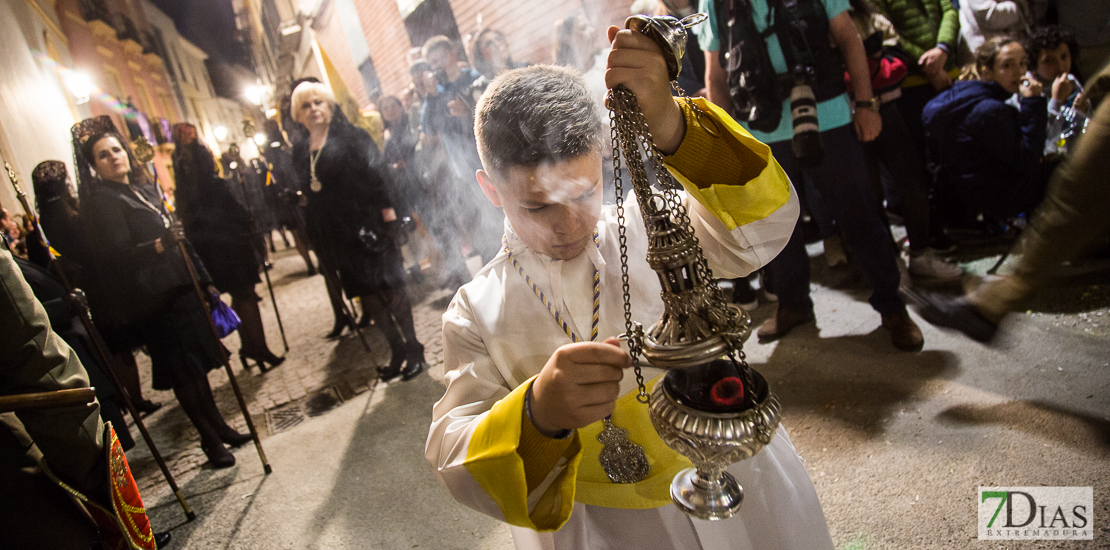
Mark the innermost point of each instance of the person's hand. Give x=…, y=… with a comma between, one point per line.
x=578, y=386
x=636, y=62
x=1081, y=102
x=77, y=301
x=456, y=107
x=389, y=215
x=430, y=83
x=940, y=81
x=1062, y=88
x=174, y=233
x=1031, y=87
x=868, y=124
x=933, y=61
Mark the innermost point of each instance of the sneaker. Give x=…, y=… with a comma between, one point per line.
x=953, y=312
x=927, y=265
x=904, y=333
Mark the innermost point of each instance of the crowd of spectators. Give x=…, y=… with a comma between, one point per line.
x=965, y=109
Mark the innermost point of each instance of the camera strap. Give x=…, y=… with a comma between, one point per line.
x=756, y=96
x=783, y=21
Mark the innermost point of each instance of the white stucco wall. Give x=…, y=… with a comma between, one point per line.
x=35, y=114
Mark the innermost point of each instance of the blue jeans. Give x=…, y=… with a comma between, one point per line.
x=844, y=185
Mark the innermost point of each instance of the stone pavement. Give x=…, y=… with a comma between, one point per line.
x=314, y=367
x=896, y=443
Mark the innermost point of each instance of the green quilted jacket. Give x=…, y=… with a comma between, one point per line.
x=922, y=25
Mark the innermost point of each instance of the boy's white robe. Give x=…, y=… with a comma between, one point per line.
x=498, y=335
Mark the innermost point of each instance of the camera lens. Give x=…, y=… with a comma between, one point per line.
x=807, y=133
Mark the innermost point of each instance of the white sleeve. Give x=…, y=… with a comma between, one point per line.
x=739, y=252
x=474, y=385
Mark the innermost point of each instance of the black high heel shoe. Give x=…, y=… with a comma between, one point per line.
x=146, y=406
x=337, y=329
x=261, y=361
x=414, y=362
x=385, y=374
x=232, y=438
x=218, y=455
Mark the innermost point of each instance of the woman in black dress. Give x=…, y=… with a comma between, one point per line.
x=143, y=282
x=221, y=231
x=351, y=221
x=59, y=217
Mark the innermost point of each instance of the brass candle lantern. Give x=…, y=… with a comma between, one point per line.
x=711, y=407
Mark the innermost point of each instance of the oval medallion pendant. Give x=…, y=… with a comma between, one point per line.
x=315, y=185
x=622, y=460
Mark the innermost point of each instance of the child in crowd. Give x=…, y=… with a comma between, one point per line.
x=1050, y=50
x=515, y=435
x=990, y=153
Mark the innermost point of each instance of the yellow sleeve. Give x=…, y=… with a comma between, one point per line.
x=724, y=168
x=531, y=477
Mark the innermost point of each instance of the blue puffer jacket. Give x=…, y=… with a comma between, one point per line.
x=990, y=153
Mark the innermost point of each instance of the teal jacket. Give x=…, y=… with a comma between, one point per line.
x=923, y=25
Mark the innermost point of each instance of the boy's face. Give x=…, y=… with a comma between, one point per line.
x=1053, y=63
x=553, y=207
x=443, y=58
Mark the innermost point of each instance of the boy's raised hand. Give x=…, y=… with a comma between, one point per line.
x=637, y=62
x=578, y=386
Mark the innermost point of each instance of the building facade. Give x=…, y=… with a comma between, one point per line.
x=37, y=108
x=112, y=42
x=192, y=85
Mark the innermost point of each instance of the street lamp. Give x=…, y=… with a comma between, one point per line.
x=220, y=132
x=80, y=85
x=254, y=94
x=260, y=139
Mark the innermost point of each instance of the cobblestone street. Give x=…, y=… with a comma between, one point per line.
x=332, y=371
x=896, y=444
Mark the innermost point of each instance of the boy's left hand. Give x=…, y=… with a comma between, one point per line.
x=636, y=62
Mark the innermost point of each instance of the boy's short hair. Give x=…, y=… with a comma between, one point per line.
x=435, y=43
x=542, y=113
x=1048, y=38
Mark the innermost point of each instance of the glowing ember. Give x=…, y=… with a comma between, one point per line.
x=727, y=392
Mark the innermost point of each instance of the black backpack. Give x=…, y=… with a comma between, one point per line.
x=802, y=28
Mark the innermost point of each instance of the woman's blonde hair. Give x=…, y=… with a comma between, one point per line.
x=306, y=90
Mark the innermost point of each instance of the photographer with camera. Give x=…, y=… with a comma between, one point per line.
x=772, y=61
x=448, y=121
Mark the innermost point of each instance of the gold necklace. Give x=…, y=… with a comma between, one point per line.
x=314, y=183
